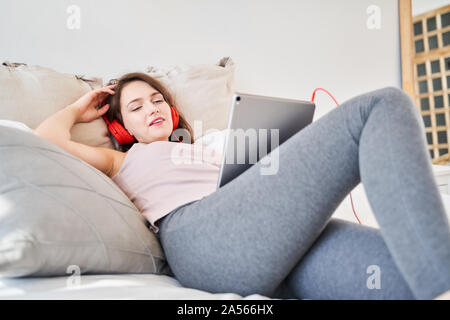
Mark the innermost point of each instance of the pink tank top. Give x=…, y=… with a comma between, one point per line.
x=160, y=176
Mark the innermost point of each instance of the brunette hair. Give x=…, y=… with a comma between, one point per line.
x=114, y=113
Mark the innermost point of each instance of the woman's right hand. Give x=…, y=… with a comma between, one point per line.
x=85, y=107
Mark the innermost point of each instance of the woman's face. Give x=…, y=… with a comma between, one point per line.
x=140, y=104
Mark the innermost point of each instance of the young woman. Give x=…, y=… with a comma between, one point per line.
x=272, y=234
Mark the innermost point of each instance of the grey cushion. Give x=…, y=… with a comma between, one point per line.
x=57, y=211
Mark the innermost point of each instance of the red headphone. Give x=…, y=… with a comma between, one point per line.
x=123, y=136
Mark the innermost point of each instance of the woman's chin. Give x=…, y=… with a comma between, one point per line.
x=158, y=133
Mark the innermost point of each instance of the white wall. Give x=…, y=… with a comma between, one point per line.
x=422, y=6
x=282, y=48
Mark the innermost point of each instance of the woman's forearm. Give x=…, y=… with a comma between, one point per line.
x=56, y=128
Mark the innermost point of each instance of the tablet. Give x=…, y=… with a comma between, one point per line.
x=257, y=125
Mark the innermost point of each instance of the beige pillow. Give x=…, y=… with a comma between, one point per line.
x=30, y=94
x=201, y=92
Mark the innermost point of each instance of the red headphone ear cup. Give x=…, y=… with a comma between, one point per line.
x=123, y=136
x=119, y=132
x=175, y=117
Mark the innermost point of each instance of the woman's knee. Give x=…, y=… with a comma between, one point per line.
x=393, y=92
x=395, y=99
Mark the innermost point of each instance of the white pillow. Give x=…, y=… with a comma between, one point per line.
x=214, y=140
x=15, y=124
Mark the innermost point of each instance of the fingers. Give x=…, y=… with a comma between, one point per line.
x=109, y=89
x=99, y=95
x=102, y=91
x=103, y=109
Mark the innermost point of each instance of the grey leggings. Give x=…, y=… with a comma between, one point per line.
x=274, y=235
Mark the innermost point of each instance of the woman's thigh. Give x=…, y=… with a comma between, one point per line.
x=248, y=235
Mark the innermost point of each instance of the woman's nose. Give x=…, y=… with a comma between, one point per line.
x=151, y=108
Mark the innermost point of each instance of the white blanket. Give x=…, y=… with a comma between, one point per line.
x=98, y=287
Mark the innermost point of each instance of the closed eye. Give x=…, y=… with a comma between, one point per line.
x=157, y=101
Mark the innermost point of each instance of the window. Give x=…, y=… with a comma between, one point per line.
x=430, y=138
x=425, y=103
x=445, y=19
x=419, y=46
x=440, y=119
x=446, y=38
x=438, y=101
x=423, y=86
x=421, y=71
x=437, y=84
x=442, y=137
x=432, y=42
x=435, y=66
x=426, y=121
x=431, y=24
x=417, y=28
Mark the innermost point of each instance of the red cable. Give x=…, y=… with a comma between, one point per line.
x=337, y=104
x=176, y=137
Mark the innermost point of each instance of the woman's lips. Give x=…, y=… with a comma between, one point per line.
x=157, y=123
